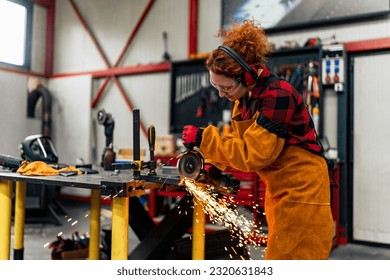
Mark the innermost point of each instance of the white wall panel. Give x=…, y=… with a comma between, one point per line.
x=371, y=186
x=71, y=124
x=330, y=117
x=73, y=49
x=209, y=24
x=112, y=23
x=170, y=16
x=38, y=45
x=14, y=124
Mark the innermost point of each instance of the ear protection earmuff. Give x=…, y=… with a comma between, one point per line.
x=249, y=76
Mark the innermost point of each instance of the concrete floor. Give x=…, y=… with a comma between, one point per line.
x=39, y=235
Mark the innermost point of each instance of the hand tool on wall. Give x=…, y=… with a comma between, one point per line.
x=166, y=55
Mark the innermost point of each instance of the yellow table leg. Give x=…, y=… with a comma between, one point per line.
x=5, y=219
x=94, y=226
x=120, y=228
x=198, y=232
x=20, y=203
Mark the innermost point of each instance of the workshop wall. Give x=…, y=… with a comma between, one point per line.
x=14, y=124
x=112, y=24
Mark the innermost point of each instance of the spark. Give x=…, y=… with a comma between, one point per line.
x=220, y=211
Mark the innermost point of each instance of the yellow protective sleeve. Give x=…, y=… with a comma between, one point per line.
x=249, y=148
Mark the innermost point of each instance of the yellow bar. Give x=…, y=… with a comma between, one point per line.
x=5, y=219
x=198, y=232
x=20, y=203
x=94, y=226
x=120, y=228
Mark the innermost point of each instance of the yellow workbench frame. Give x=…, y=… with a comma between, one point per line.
x=120, y=213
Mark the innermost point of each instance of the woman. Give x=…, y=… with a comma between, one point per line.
x=274, y=136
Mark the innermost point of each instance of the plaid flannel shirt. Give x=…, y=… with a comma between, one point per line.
x=283, y=104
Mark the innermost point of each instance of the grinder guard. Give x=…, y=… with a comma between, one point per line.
x=190, y=164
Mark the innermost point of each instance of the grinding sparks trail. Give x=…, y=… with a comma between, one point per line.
x=220, y=211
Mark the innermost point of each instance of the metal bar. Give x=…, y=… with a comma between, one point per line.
x=23, y=72
x=136, y=140
x=198, y=232
x=45, y=3
x=5, y=218
x=114, y=71
x=50, y=38
x=94, y=226
x=368, y=45
x=133, y=70
x=120, y=228
x=20, y=203
x=193, y=28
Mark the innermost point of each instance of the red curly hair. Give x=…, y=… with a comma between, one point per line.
x=248, y=40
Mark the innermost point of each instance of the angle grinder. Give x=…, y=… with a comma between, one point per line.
x=190, y=164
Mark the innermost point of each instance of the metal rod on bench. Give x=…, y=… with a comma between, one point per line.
x=136, y=142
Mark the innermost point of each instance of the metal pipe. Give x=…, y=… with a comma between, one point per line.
x=20, y=203
x=5, y=218
x=94, y=226
x=193, y=28
x=50, y=38
x=136, y=141
x=32, y=100
x=198, y=232
x=120, y=228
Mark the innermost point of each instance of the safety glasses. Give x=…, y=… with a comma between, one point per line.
x=227, y=89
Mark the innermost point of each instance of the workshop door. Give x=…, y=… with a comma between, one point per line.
x=371, y=150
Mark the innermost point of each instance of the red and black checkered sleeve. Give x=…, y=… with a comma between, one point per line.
x=283, y=106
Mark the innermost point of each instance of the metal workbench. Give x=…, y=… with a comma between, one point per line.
x=104, y=183
x=120, y=187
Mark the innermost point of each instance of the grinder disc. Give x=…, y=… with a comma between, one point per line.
x=190, y=165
